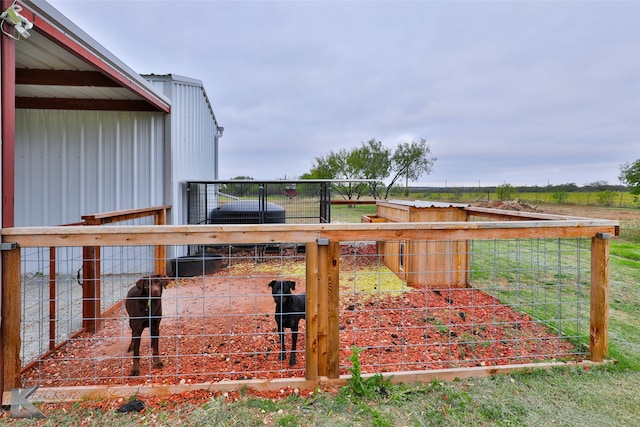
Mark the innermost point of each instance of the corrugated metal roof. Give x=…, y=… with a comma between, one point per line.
x=178, y=79
x=428, y=204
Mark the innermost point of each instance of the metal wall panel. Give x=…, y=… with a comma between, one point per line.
x=71, y=163
x=74, y=163
x=194, y=134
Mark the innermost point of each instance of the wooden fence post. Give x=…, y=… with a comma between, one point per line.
x=311, y=322
x=599, y=330
x=91, y=311
x=333, y=322
x=11, y=319
x=160, y=251
x=52, y=297
x=328, y=298
x=323, y=306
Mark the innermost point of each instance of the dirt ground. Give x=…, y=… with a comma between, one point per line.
x=586, y=211
x=599, y=212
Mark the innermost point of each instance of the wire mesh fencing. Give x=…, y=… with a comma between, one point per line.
x=259, y=202
x=278, y=202
x=214, y=327
x=54, y=287
x=511, y=301
x=524, y=301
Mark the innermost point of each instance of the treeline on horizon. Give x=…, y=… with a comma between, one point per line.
x=568, y=188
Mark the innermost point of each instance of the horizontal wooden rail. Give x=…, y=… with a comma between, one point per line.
x=101, y=392
x=296, y=233
x=501, y=214
x=125, y=215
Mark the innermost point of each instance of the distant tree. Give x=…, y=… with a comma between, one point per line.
x=630, y=176
x=327, y=167
x=597, y=185
x=560, y=196
x=506, y=192
x=370, y=161
x=411, y=161
x=373, y=162
x=569, y=187
x=605, y=197
x=341, y=165
x=240, y=189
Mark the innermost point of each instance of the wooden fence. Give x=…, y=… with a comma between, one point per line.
x=322, y=273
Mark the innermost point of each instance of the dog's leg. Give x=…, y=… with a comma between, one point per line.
x=294, y=341
x=155, y=338
x=135, y=347
x=283, y=350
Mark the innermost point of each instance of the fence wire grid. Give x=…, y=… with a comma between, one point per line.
x=516, y=301
x=259, y=202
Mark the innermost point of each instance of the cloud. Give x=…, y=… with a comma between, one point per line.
x=519, y=92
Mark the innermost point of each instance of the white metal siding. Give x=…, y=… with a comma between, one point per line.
x=194, y=138
x=74, y=163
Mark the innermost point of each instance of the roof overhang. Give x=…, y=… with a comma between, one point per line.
x=61, y=67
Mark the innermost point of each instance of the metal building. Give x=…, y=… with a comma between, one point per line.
x=89, y=134
x=194, y=132
x=82, y=133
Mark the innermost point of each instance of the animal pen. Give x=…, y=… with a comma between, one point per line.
x=261, y=202
x=494, y=292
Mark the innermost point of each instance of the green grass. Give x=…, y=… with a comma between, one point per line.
x=346, y=213
x=534, y=276
x=563, y=397
x=592, y=198
x=627, y=251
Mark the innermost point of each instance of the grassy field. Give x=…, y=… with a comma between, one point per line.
x=581, y=198
x=545, y=199
x=602, y=396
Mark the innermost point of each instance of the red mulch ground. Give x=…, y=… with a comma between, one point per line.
x=216, y=329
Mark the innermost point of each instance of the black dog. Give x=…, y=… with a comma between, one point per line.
x=144, y=306
x=289, y=310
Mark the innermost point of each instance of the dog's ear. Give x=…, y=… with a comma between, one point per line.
x=271, y=283
x=292, y=284
x=164, y=281
x=142, y=283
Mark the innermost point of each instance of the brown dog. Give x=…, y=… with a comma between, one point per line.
x=144, y=306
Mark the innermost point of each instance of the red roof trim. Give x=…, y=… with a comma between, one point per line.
x=7, y=106
x=67, y=43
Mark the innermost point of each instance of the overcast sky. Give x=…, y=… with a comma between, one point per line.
x=519, y=92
